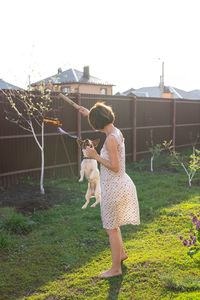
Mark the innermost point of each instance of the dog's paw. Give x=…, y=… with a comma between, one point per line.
x=80, y=180
x=93, y=205
x=84, y=206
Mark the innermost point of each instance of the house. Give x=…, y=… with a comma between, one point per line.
x=167, y=92
x=7, y=86
x=74, y=81
x=162, y=91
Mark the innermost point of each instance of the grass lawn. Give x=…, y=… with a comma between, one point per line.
x=61, y=257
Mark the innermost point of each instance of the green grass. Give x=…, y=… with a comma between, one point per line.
x=14, y=222
x=61, y=257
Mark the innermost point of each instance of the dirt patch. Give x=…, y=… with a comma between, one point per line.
x=27, y=198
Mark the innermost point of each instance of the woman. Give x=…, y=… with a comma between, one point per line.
x=119, y=203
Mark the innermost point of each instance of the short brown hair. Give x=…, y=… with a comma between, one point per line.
x=100, y=115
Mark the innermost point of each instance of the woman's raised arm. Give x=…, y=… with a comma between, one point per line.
x=84, y=111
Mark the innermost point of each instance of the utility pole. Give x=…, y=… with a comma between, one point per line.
x=162, y=76
x=162, y=82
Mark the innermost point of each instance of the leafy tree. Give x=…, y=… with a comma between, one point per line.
x=28, y=111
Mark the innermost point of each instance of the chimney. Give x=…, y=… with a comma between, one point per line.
x=86, y=72
x=59, y=70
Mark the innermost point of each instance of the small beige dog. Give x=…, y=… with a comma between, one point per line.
x=89, y=169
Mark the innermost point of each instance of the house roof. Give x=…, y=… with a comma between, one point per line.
x=71, y=76
x=156, y=92
x=193, y=95
x=7, y=86
x=153, y=91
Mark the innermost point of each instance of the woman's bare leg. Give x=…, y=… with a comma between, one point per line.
x=122, y=251
x=115, y=246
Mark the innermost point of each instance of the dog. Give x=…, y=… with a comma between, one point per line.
x=89, y=169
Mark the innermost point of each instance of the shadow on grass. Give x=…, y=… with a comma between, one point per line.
x=115, y=284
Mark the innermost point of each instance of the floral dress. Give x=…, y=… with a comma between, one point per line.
x=119, y=202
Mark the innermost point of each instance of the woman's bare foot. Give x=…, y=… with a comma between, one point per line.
x=124, y=257
x=110, y=273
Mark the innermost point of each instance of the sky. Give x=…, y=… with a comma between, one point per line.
x=122, y=41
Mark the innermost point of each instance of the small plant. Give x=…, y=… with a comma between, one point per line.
x=5, y=240
x=193, y=243
x=154, y=149
x=195, y=160
x=16, y=223
x=191, y=167
x=194, y=140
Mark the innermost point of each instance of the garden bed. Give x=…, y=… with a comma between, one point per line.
x=26, y=198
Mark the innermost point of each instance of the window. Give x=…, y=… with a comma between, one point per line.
x=66, y=89
x=103, y=91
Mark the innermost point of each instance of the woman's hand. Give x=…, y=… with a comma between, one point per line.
x=84, y=111
x=91, y=153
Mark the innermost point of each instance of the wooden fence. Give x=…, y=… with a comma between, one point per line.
x=166, y=119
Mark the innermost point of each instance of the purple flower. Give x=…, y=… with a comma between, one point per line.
x=197, y=225
x=195, y=220
x=191, y=215
x=181, y=237
x=191, y=230
x=191, y=236
x=194, y=240
x=190, y=243
x=185, y=242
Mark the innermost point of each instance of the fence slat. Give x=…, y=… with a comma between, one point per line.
x=174, y=124
x=79, y=132
x=134, y=129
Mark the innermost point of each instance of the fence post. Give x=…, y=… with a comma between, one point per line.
x=79, y=132
x=134, y=128
x=174, y=124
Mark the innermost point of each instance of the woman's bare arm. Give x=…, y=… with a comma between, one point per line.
x=84, y=111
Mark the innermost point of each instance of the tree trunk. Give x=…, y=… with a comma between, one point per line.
x=152, y=163
x=189, y=181
x=42, y=163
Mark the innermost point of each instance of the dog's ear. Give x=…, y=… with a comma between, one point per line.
x=96, y=142
x=79, y=142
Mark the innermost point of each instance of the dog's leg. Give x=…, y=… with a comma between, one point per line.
x=93, y=174
x=98, y=199
x=97, y=195
x=81, y=175
x=87, y=197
